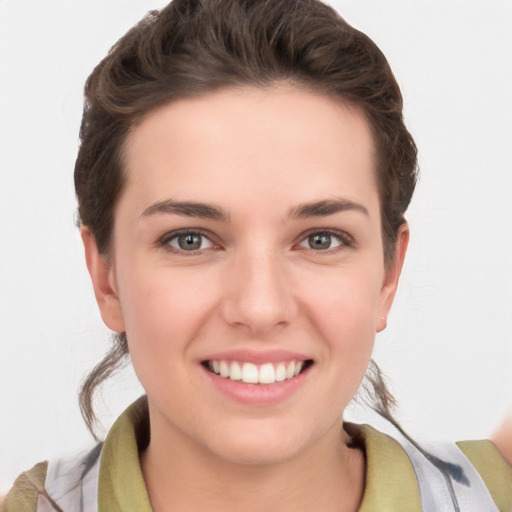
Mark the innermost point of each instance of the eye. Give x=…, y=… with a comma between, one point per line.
x=326, y=241
x=186, y=241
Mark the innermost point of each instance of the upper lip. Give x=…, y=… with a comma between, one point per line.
x=256, y=357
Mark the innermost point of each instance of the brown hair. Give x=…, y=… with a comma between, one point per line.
x=192, y=47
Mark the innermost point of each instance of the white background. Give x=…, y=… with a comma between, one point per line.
x=448, y=346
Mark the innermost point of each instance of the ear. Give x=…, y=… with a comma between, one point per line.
x=392, y=275
x=103, y=282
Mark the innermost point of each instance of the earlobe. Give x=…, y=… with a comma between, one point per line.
x=392, y=275
x=103, y=282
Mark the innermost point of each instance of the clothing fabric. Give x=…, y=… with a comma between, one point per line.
x=399, y=477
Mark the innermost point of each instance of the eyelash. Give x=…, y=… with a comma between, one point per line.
x=166, y=239
x=345, y=240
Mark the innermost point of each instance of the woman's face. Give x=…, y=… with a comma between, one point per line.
x=247, y=241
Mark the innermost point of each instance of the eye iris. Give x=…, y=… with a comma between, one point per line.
x=320, y=241
x=189, y=242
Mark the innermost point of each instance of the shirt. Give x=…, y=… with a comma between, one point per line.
x=114, y=481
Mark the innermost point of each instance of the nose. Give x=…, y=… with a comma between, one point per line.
x=258, y=294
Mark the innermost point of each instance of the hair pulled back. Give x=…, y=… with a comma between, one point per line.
x=192, y=47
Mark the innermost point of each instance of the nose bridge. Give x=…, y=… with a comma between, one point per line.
x=258, y=295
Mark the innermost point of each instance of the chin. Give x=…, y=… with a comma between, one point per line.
x=260, y=446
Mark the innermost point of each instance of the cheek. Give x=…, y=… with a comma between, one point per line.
x=164, y=312
x=344, y=312
x=345, y=304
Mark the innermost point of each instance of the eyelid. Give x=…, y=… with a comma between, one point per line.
x=345, y=239
x=164, y=240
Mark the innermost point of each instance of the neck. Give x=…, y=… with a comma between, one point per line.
x=327, y=476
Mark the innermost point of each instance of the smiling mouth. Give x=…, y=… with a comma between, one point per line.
x=250, y=373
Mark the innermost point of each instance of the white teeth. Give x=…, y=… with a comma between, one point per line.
x=250, y=373
x=280, y=372
x=267, y=373
x=224, y=369
x=235, y=372
x=290, y=371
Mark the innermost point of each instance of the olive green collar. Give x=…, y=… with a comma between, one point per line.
x=121, y=484
x=391, y=483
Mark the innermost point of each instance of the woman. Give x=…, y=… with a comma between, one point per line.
x=242, y=179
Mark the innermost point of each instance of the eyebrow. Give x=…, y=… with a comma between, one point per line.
x=324, y=208
x=212, y=212
x=187, y=209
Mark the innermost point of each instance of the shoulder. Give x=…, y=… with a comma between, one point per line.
x=26, y=489
x=492, y=468
x=108, y=472
x=471, y=474
x=56, y=485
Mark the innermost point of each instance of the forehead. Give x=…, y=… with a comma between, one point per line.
x=238, y=145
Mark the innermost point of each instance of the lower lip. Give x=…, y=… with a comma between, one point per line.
x=257, y=394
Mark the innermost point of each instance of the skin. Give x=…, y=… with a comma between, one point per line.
x=502, y=438
x=256, y=284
